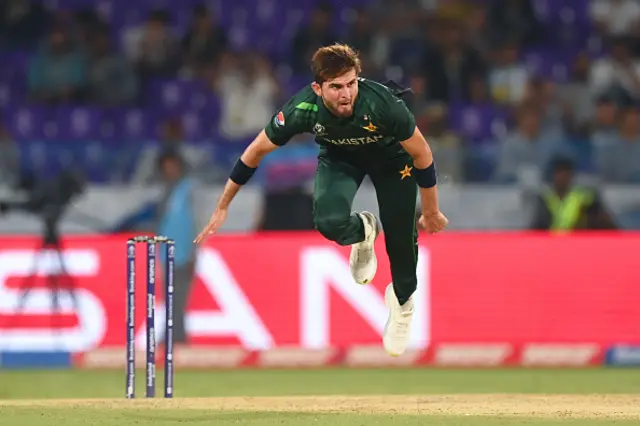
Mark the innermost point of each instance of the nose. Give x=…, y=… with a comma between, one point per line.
x=344, y=92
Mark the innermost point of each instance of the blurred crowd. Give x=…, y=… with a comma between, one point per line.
x=501, y=87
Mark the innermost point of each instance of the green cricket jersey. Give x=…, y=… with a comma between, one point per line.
x=379, y=123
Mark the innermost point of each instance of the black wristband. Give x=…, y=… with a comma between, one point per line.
x=241, y=173
x=426, y=178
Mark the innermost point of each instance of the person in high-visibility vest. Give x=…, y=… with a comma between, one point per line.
x=564, y=206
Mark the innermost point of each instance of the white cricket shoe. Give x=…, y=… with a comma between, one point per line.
x=363, y=260
x=398, y=328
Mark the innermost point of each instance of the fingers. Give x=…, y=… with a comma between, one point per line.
x=432, y=226
x=209, y=230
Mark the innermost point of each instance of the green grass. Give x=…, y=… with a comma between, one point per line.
x=422, y=385
x=110, y=384
x=164, y=418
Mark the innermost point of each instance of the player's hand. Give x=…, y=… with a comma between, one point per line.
x=217, y=219
x=433, y=222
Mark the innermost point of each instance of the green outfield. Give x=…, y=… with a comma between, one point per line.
x=333, y=397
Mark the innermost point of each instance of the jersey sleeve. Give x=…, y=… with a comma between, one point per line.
x=399, y=122
x=285, y=124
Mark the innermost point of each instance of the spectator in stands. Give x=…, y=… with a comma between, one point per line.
x=84, y=23
x=456, y=10
x=618, y=73
x=450, y=66
x=616, y=17
x=542, y=93
x=403, y=17
x=57, y=72
x=473, y=51
x=368, y=41
x=9, y=159
x=204, y=41
x=196, y=159
x=603, y=128
x=477, y=31
x=111, y=78
x=419, y=101
x=514, y=20
x=565, y=206
x=248, y=94
x=153, y=48
x=22, y=23
x=177, y=220
x=173, y=216
x=528, y=148
x=618, y=157
x=578, y=98
x=508, y=76
x=310, y=37
x=361, y=34
x=479, y=90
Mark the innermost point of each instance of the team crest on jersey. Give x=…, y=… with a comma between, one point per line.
x=279, y=120
x=370, y=127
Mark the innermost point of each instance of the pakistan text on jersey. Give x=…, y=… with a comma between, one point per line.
x=354, y=141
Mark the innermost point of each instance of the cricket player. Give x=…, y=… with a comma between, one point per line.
x=363, y=129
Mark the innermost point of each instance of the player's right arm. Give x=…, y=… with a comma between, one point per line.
x=249, y=161
x=244, y=168
x=283, y=126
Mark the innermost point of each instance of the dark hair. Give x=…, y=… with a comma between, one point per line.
x=332, y=61
x=562, y=164
x=170, y=155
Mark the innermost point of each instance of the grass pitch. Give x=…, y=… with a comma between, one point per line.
x=334, y=397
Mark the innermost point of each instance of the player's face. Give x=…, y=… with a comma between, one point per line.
x=339, y=94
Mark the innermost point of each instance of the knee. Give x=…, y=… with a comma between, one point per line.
x=332, y=227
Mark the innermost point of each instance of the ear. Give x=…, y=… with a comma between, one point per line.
x=316, y=88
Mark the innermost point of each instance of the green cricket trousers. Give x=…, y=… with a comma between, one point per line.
x=337, y=180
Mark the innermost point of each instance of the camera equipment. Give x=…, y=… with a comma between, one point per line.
x=48, y=199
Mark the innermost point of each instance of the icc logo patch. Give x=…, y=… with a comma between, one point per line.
x=279, y=120
x=319, y=129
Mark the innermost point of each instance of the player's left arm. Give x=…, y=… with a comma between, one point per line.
x=424, y=171
x=402, y=124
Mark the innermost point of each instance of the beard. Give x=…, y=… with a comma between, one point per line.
x=340, y=109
